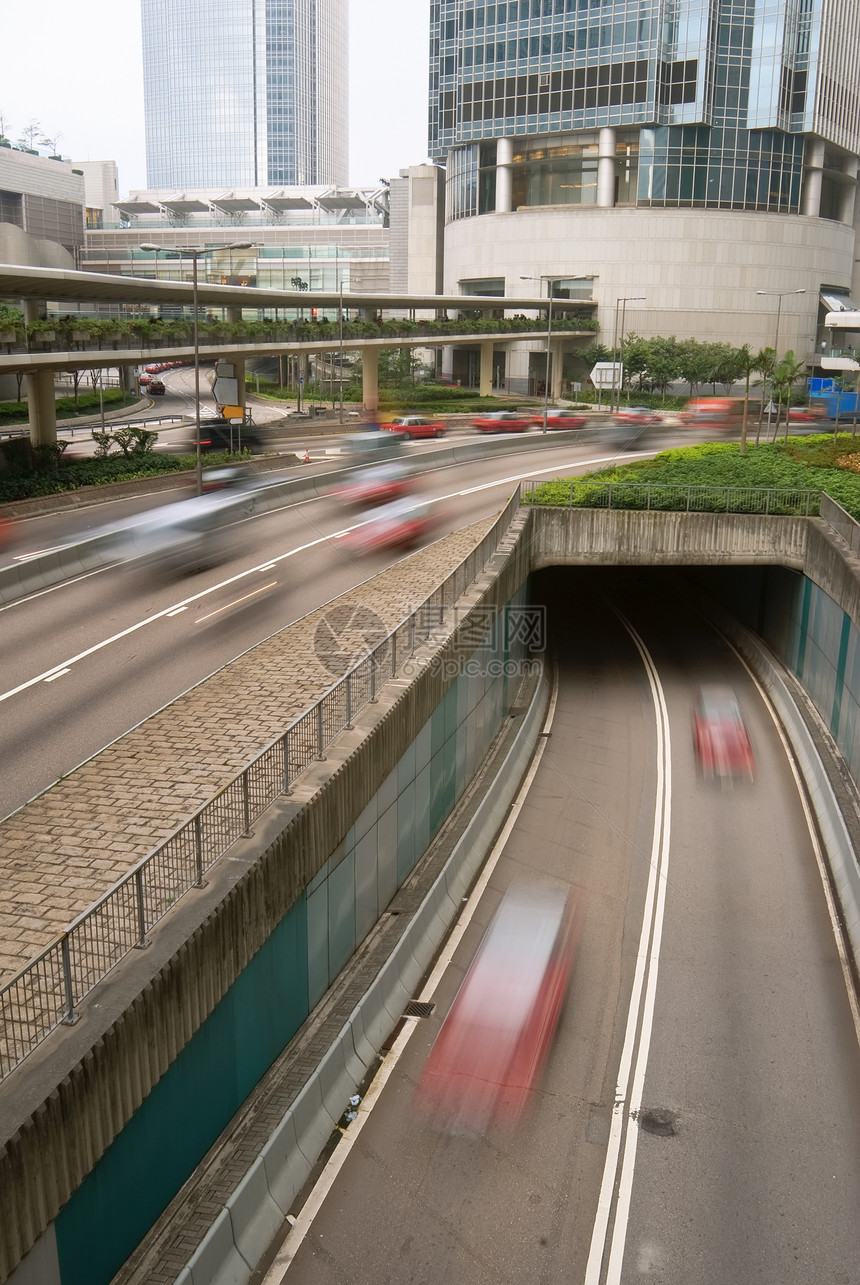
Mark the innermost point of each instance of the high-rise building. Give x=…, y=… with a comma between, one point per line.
x=684, y=153
x=245, y=93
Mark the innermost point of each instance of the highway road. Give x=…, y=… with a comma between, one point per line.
x=87, y=660
x=699, y=1119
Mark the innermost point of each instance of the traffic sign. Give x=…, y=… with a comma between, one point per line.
x=233, y=413
x=607, y=374
x=225, y=391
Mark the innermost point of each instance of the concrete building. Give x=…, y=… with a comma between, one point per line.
x=305, y=238
x=246, y=93
x=680, y=157
x=41, y=210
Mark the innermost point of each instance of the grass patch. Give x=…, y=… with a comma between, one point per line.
x=70, y=475
x=67, y=408
x=814, y=463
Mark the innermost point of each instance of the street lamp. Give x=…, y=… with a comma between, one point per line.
x=618, y=345
x=195, y=254
x=340, y=369
x=548, y=343
x=780, y=295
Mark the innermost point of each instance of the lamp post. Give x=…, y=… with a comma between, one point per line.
x=780, y=295
x=548, y=345
x=340, y=368
x=197, y=253
x=618, y=345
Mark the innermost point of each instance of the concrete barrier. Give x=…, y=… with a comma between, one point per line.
x=243, y=1230
x=839, y=849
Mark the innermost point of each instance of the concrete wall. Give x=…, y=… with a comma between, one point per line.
x=698, y=270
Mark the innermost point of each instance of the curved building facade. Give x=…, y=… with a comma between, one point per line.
x=245, y=93
x=688, y=151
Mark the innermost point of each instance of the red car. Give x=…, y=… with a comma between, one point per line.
x=720, y=734
x=415, y=426
x=399, y=525
x=492, y=1046
x=377, y=485
x=565, y=419
x=504, y=421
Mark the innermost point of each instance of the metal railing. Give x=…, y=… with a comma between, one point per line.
x=48, y=990
x=843, y=523
x=672, y=498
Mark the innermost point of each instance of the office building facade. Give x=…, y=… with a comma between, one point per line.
x=245, y=93
x=684, y=155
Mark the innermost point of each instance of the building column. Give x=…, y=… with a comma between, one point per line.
x=606, y=168
x=849, y=191
x=504, y=175
x=813, y=164
x=42, y=407
x=370, y=379
x=485, y=383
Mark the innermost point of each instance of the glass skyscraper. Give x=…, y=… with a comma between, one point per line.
x=727, y=104
x=694, y=155
x=245, y=93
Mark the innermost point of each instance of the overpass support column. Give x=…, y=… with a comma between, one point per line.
x=42, y=407
x=370, y=379
x=486, y=380
x=606, y=168
x=555, y=367
x=235, y=314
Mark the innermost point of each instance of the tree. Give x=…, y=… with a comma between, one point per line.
x=785, y=375
x=29, y=135
x=746, y=360
x=52, y=143
x=765, y=360
x=694, y=363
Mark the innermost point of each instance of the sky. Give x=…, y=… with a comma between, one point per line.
x=76, y=70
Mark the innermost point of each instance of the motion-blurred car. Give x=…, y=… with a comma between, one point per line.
x=415, y=426
x=566, y=419
x=157, y=387
x=399, y=525
x=638, y=415
x=492, y=1046
x=364, y=447
x=184, y=537
x=504, y=421
x=376, y=485
x=805, y=414
x=144, y=379
x=722, y=742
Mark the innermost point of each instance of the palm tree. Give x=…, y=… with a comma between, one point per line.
x=746, y=363
x=765, y=360
x=785, y=375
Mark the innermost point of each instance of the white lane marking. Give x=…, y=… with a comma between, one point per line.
x=59, y=674
x=301, y=1225
x=177, y=611
x=536, y=472
x=628, y=1097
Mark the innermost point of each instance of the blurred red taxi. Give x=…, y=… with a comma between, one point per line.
x=415, y=426
x=504, y=421
x=721, y=738
x=377, y=484
x=492, y=1046
x=565, y=419
x=399, y=525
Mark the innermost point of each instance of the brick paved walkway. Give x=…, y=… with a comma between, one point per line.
x=59, y=853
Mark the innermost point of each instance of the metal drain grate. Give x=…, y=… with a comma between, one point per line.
x=415, y=1008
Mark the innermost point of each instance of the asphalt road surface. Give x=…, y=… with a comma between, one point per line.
x=699, y=1118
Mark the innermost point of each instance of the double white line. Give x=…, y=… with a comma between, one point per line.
x=617, y=1185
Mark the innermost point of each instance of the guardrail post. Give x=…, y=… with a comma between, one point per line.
x=394, y=653
x=69, y=1014
x=285, y=751
x=348, y=685
x=648, y=498
x=198, y=852
x=767, y=502
x=141, y=942
x=320, y=755
x=688, y=499
x=412, y=634
x=246, y=804
x=372, y=700
x=728, y=498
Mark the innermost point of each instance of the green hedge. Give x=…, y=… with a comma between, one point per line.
x=70, y=475
x=803, y=463
x=67, y=407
